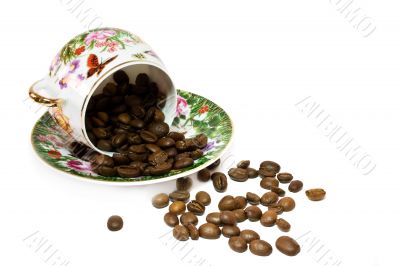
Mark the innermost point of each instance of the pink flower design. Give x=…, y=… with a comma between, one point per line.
x=99, y=36
x=181, y=106
x=79, y=165
x=112, y=46
x=55, y=62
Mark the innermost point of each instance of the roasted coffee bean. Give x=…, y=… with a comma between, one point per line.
x=142, y=80
x=275, y=207
x=227, y=203
x=160, y=169
x=180, y=145
x=182, y=155
x=100, y=133
x=249, y=235
x=115, y=223
x=183, y=163
x=117, y=99
x=220, y=181
x=134, y=139
x=133, y=100
x=295, y=186
x=110, y=89
x=137, y=157
x=204, y=175
x=177, y=207
x=103, y=104
x=214, y=164
x=283, y=225
x=189, y=218
x=118, y=109
x=252, y=198
x=269, y=169
x=160, y=200
x=243, y=164
x=240, y=202
x=180, y=232
x=278, y=191
x=284, y=177
x=176, y=136
x=124, y=118
x=120, y=77
x=158, y=116
x=287, y=246
x=138, y=111
x=128, y=171
x=214, y=218
x=101, y=159
x=106, y=170
x=193, y=232
x=196, y=207
x=251, y=172
x=137, y=123
x=166, y=142
x=315, y=194
x=97, y=122
x=209, y=231
x=269, y=198
x=171, y=219
x=260, y=247
x=184, y=183
x=240, y=215
x=104, y=145
x=238, y=174
x=253, y=213
x=230, y=230
x=153, y=147
x=200, y=141
x=148, y=136
x=268, y=182
x=227, y=217
x=237, y=244
x=287, y=204
x=121, y=159
x=119, y=140
x=268, y=218
x=139, y=165
x=172, y=152
x=160, y=129
x=196, y=154
x=179, y=195
x=203, y=197
x=140, y=148
x=157, y=158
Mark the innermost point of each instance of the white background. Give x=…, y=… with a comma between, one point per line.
x=256, y=59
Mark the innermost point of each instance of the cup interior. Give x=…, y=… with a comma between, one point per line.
x=155, y=74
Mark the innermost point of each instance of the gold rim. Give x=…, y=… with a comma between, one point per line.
x=41, y=99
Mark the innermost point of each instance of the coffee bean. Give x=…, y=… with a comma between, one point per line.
x=177, y=207
x=249, y=235
x=214, y=218
x=214, y=164
x=230, y=230
x=124, y=118
x=128, y=171
x=315, y=194
x=204, y=175
x=148, y=136
x=196, y=207
x=287, y=204
x=268, y=218
x=220, y=181
x=100, y=133
x=171, y=219
x=176, y=136
x=105, y=170
x=134, y=139
x=253, y=213
x=160, y=200
x=140, y=148
x=240, y=202
x=237, y=244
x=184, y=183
x=269, y=169
x=137, y=123
x=275, y=207
x=138, y=111
x=278, y=191
x=172, y=152
x=196, y=154
x=227, y=203
x=104, y=145
x=189, y=218
x=115, y=223
x=160, y=129
x=283, y=225
x=97, y=122
x=183, y=163
x=284, y=177
x=157, y=158
x=260, y=247
x=160, y=169
x=295, y=186
x=166, y=142
x=193, y=232
x=269, y=198
x=238, y=174
x=243, y=164
x=268, y=182
x=227, y=218
x=240, y=215
x=101, y=159
x=179, y=195
x=182, y=155
x=209, y=231
x=120, y=159
x=153, y=147
x=252, y=198
x=287, y=246
x=203, y=197
x=120, y=77
x=180, y=232
x=136, y=157
x=142, y=80
x=110, y=89
x=252, y=173
x=119, y=139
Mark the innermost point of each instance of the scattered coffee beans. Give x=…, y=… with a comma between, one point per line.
x=238, y=174
x=179, y=195
x=196, y=207
x=115, y=223
x=214, y=164
x=160, y=200
x=249, y=235
x=268, y=218
x=214, y=218
x=180, y=232
x=177, y=207
x=243, y=164
x=183, y=183
x=287, y=246
x=260, y=247
x=253, y=213
x=269, y=169
x=237, y=244
x=171, y=219
x=287, y=204
x=240, y=202
x=227, y=218
x=230, y=230
x=269, y=198
x=220, y=181
x=227, y=203
x=188, y=218
x=240, y=215
x=295, y=186
x=193, y=232
x=209, y=231
x=284, y=177
x=204, y=175
x=316, y=194
x=283, y=225
x=252, y=198
x=268, y=182
x=203, y=197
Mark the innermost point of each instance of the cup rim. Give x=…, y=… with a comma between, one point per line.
x=100, y=80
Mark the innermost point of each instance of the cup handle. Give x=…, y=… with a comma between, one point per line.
x=49, y=102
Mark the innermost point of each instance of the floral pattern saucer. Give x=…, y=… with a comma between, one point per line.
x=194, y=115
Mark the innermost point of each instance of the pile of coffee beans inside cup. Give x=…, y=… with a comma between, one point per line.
x=126, y=119
x=183, y=212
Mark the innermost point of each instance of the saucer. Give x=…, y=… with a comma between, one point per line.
x=194, y=115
